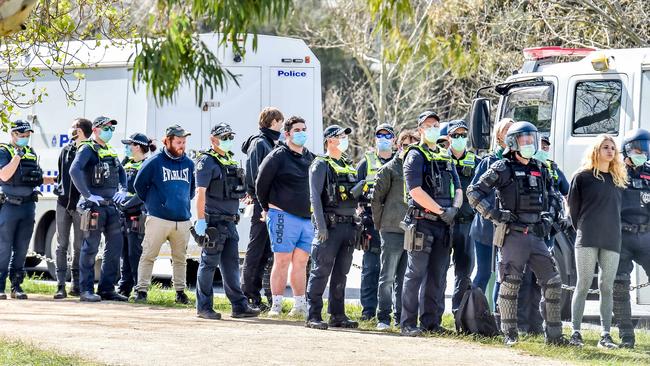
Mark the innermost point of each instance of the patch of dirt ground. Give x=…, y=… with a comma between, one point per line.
x=127, y=334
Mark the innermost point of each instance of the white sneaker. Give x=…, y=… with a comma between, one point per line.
x=276, y=310
x=298, y=311
x=382, y=326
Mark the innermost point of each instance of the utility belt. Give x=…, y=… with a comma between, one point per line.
x=334, y=219
x=19, y=200
x=214, y=218
x=417, y=213
x=635, y=228
x=538, y=229
x=135, y=223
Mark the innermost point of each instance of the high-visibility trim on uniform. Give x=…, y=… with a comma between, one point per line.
x=468, y=161
x=552, y=171
x=441, y=155
x=102, y=151
x=223, y=160
x=346, y=169
x=28, y=153
x=130, y=164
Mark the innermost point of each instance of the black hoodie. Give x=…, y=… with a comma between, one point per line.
x=257, y=147
x=283, y=180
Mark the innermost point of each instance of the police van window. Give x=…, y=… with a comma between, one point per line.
x=645, y=100
x=530, y=103
x=597, y=107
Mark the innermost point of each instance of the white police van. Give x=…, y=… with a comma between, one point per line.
x=603, y=91
x=281, y=72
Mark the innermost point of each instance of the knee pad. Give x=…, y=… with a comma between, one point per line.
x=508, y=301
x=552, y=289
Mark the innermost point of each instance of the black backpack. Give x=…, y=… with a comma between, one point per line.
x=473, y=315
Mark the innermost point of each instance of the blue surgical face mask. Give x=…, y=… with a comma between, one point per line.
x=432, y=134
x=226, y=145
x=384, y=144
x=22, y=141
x=127, y=151
x=527, y=151
x=343, y=144
x=638, y=159
x=459, y=144
x=106, y=135
x=299, y=138
x=541, y=155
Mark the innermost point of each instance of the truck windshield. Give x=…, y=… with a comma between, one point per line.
x=530, y=103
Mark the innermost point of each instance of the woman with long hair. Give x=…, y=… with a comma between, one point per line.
x=595, y=199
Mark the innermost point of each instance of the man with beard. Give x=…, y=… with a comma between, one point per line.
x=166, y=185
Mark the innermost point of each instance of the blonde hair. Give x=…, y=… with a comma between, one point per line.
x=498, y=129
x=616, y=167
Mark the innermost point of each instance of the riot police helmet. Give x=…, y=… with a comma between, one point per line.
x=637, y=141
x=522, y=137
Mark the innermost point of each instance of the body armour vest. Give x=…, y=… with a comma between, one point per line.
x=231, y=185
x=106, y=173
x=340, y=180
x=527, y=190
x=131, y=168
x=28, y=173
x=636, y=197
x=438, y=181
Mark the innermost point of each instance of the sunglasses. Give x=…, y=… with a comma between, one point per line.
x=227, y=137
x=385, y=135
x=108, y=128
x=458, y=135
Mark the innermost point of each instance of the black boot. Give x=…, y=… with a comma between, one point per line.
x=18, y=293
x=141, y=297
x=181, y=298
x=60, y=292
x=75, y=290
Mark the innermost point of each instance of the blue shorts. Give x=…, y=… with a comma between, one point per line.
x=288, y=232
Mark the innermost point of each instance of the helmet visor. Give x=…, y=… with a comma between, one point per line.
x=638, y=147
x=527, y=138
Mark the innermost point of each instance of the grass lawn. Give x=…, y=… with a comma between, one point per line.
x=19, y=353
x=590, y=354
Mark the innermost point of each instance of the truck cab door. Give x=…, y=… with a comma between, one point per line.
x=596, y=104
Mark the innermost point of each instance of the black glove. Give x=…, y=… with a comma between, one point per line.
x=564, y=223
x=448, y=215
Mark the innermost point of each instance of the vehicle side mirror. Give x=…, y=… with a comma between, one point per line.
x=479, y=124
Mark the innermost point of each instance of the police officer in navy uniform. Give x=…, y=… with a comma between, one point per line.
x=635, y=226
x=331, y=180
x=367, y=171
x=525, y=191
x=434, y=197
x=136, y=148
x=465, y=162
x=220, y=186
x=100, y=178
x=19, y=175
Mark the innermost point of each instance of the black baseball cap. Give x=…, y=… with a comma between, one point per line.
x=454, y=125
x=176, y=130
x=101, y=121
x=222, y=129
x=546, y=139
x=426, y=114
x=21, y=126
x=385, y=126
x=137, y=138
x=335, y=130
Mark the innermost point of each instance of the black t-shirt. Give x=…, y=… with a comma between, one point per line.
x=595, y=206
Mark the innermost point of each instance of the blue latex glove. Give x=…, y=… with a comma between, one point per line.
x=95, y=199
x=119, y=196
x=200, y=227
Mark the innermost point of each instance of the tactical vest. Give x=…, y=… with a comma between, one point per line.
x=132, y=168
x=231, y=185
x=527, y=190
x=339, y=182
x=636, y=197
x=28, y=173
x=438, y=181
x=468, y=164
x=552, y=171
x=106, y=173
x=373, y=163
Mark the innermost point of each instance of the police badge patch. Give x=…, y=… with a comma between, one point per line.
x=645, y=197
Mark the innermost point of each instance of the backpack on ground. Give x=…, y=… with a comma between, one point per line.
x=473, y=315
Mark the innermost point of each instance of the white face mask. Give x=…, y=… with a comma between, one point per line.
x=343, y=144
